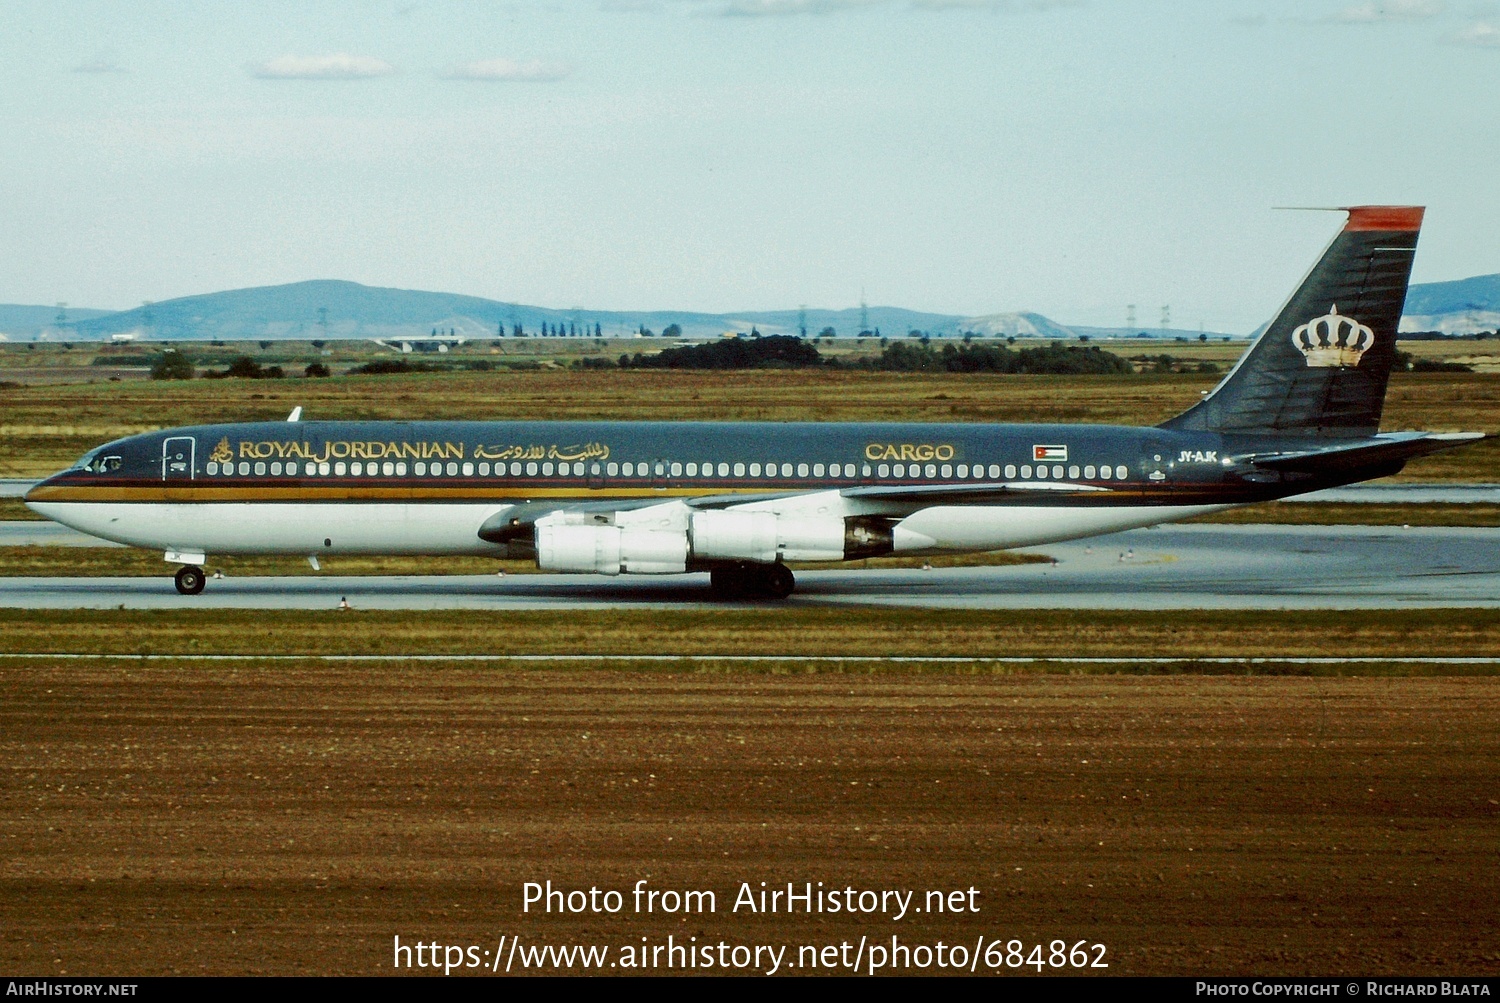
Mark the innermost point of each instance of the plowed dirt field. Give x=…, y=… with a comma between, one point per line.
x=296, y=818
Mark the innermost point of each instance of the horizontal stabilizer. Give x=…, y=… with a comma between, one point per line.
x=1390, y=448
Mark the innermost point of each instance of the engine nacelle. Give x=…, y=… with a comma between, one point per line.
x=609, y=550
x=763, y=537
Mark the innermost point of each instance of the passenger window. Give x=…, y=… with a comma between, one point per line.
x=994, y=470
x=723, y=470
x=421, y=469
x=260, y=469
x=1073, y=473
x=754, y=469
x=931, y=470
x=801, y=469
x=356, y=469
x=692, y=470
x=739, y=469
x=1010, y=471
x=947, y=470
x=531, y=469
x=323, y=468
x=212, y=467
x=884, y=470
x=1105, y=473
x=515, y=469
x=452, y=470
x=849, y=470
x=676, y=469
x=708, y=470
x=468, y=470
x=276, y=468
x=400, y=468
x=1026, y=471
x=612, y=469
x=629, y=469
x=817, y=470
x=1088, y=472
x=865, y=470
x=596, y=469
x=1120, y=472
x=547, y=469
x=786, y=470
x=484, y=470
x=1057, y=471
x=1041, y=470
x=899, y=470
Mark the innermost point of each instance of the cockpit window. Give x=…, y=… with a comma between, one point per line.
x=96, y=464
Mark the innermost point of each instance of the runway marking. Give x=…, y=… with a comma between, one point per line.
x=935, y=659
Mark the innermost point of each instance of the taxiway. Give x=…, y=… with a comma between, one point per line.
x=1170, y=567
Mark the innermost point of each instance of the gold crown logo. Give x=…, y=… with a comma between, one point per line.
x=1333, y=340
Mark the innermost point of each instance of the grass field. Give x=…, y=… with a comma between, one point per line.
x=1040, y=633
x=45, y=427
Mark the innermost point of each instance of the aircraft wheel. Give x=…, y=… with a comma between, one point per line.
x=777, y=581
x=190, y=580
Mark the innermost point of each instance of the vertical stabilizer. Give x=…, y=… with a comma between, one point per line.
x=1321, y=367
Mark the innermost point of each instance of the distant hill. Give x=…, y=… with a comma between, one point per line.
x=1482, y=292
x=29, y=321
x=330, y=309
x=1461, y=307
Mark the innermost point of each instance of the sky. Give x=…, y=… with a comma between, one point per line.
x=957, y=156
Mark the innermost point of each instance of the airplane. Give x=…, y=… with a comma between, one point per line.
x=1300, y=411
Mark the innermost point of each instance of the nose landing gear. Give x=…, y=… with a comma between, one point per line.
x=190, y=580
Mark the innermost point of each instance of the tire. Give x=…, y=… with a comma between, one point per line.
x=190, y=580
x=777, y=581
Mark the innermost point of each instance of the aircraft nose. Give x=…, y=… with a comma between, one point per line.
x=38, y=491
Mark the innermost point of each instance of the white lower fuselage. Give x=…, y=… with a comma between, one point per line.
x=233, y=528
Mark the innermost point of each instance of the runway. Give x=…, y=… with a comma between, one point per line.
x=1171, y=567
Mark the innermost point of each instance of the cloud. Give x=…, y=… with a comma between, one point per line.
x=1480, y=34
x=103, y=62
x=337, y=66
x=1388, y=10
x=533, y=71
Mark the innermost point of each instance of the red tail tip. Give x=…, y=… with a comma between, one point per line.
x=1384, y=217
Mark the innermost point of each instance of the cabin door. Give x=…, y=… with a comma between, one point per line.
x=1157, y=461
x=177, y=455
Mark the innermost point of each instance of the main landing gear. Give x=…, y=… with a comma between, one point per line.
x=190, y=580
x=753, y=581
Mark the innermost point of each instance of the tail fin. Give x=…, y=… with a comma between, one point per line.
x=1321, y=367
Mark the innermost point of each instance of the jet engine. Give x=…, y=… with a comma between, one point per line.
x=668, y=539
x=609, y=550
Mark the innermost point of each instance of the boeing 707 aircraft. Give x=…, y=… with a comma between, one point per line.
x=1300, y=411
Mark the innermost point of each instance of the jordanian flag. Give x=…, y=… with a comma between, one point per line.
x=1049, y=452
